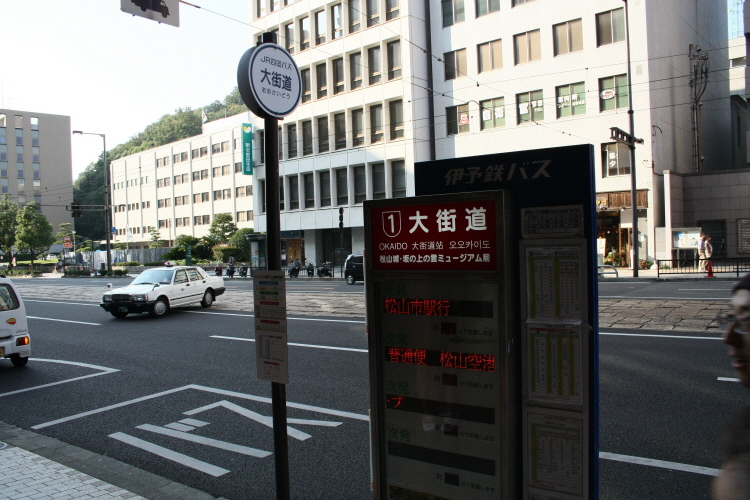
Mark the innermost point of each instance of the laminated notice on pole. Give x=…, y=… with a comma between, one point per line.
x=271, y=348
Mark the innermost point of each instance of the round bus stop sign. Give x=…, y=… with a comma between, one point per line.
x=269, y=81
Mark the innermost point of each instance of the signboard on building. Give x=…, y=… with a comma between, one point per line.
x=269, y=81
x=162, y=11
x=247, y=149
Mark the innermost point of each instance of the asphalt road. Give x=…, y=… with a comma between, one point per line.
x=694, y=289
x=661, y=399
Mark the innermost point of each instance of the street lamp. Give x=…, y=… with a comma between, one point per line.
x=107, y=225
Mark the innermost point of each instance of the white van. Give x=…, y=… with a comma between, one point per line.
x=14, y=330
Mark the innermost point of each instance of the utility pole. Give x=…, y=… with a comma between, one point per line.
x=698, y=83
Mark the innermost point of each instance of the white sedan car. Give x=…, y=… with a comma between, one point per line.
x=155, y=291
x=14, y=330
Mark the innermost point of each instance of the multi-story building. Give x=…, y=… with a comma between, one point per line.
x=35, y=162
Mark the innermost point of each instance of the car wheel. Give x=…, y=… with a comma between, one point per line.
x=18, y=361
x=350, y=279
x=119, y=314
x=160, y=308
x=208, y=299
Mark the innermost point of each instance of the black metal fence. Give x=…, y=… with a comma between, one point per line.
x=734, y=265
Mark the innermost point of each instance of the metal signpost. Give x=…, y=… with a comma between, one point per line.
x=270, y=85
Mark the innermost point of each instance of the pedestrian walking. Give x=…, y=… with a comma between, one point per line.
x=705, y=251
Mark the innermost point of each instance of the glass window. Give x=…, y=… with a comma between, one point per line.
x=457, y=119
x=373, y=12
x=19, y=136
x=398, y=179
x=3, y=169
x=571, y=100
x=396, y=115
x=3, y=152
x=391, y=9
x=610, y=27
x=376, y=123
x=520, y=2
x=323, y=134
x=377, y=171
x=613, y=92
x=530, y=106
x=321, y=80
x=325, y=188
x=360, y=183
x=339, y=130
x=307, y=138
x=3, y=120
x=21, y=187
x=34, y=154
x=568, y=37
x=304, y=31
x=358, y=127
x=320, y=27
x=394, y=59
x=485, y=7
x=19, y=121
x=453, y=12
x=306, y=85
x=19, y=153
x=373, y=63
x=615, y=159
x=289, y=37
x=273, y=5
x=527, y=47
x=342, y=188
x=309, y=190
x=455, y=64
x=20, y=167
x=37, y=174
x=293, y=192
x=355, y=70
x=291, y=133
x=490, y=55
x=4, y=135
x=355, y=11
x=281, y=193
x=4, y=185
x=338, y=75
x=493, y=113
x=336, y=25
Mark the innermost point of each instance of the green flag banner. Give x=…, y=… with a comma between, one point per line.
x=247, y=149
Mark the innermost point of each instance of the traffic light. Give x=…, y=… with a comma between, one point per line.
x=341, y=218
x=76, y=210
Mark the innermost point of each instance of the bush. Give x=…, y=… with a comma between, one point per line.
x=76, y=272
x=222, y=253
x=21, y=272
x=133, y=263
x=176, y=253
x=159, y=263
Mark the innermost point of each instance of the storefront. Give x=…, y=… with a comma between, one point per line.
x=615, y=225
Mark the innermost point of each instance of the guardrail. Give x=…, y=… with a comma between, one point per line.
x=607, y=269
x=733, y=265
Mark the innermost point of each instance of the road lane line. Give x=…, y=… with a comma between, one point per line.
x=294, y=344
x=215, y=443
x=65, y=303
x=727, y=379
x=174, y=456
x=296, y=319
x=104, y=371
x=696, y=469
x=655, y=335
x=65, y=321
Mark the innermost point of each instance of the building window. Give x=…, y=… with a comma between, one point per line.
x=373, y=65
x=337, y=30
x=615, y=159
x=37, y=174
x=293, y=192
x=360, y=183
x=493, y=113
x=306, y=85
x=3, y=120
x=527, y=47
x=307, y=138
x=342, y=188
x=394, y=59
x=376, y=123
x=355, y=12
x=273, y=5
x=321, y=80
x=204, y=151
x=216, y=172
x=490, y=55
x=613, y=92
x=455, y=64
x=325, y=188
x=338, y=75
x=355, y=70
x=3, y=169
x=3, y=152
x=320, y=27
x=20, y=170
x=453, y=12
x=34, y=154
x=398, y=179
x=304, y=31
x=571, y=100
x=396, y=116
x=291, y=133
x=391, y=9
x=358, y=127
x=239, y=192
x=262, y=145
x=4, y=135
x=19, y=153
x=610, y=27
x=194, y=154
x=323, y=134
x=215, y=148
x=309, y=186
x=242, y=216
x=373, y=12
x=19, y=136
x=377, y=171
x=734, y=63
x=184, y=156
x=485, y=7
x=289, y=37
x=4, y=185
x=238, y=167
x=516, y=3
x=281, y=193
x=339, y=130
x=530, y=106
x=568, y=37
x=457, y=119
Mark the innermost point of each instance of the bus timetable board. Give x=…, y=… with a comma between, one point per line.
x=443, y=348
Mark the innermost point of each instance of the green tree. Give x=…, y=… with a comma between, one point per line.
x=238, y=240
x=33, y=232
x=66, y=229
x=222, y=227
x=8, y=213
x=119, y=246
x=156, y=240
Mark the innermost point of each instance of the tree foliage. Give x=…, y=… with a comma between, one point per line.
x=222, y=227
x=8, y=225
x=34, y=232
x=66, y=229
x=155, y=237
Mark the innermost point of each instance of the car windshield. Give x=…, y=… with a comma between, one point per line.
x=152, y=276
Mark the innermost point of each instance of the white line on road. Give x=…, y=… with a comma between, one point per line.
x=633, y=297
x=174, y=456
x=104, y=371
x=65, y=321
x=707, y=289
x=296, y=319
x=65, y=303
x=661, y=336
x=727, y=379
x=296, y=345
x=659, y=463
x=222, y=445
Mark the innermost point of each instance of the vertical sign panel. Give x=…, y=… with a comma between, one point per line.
x=271, y=348
x=247, y=149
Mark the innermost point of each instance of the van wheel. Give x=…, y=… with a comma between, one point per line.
x=160, y=308
x=18, y=361
x=119, y=314
x=208, y=299
x=350, y=279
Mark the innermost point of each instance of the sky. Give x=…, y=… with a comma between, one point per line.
x=114, y=73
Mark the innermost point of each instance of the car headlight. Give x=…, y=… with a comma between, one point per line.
x=107, y=298
x=140, y=298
